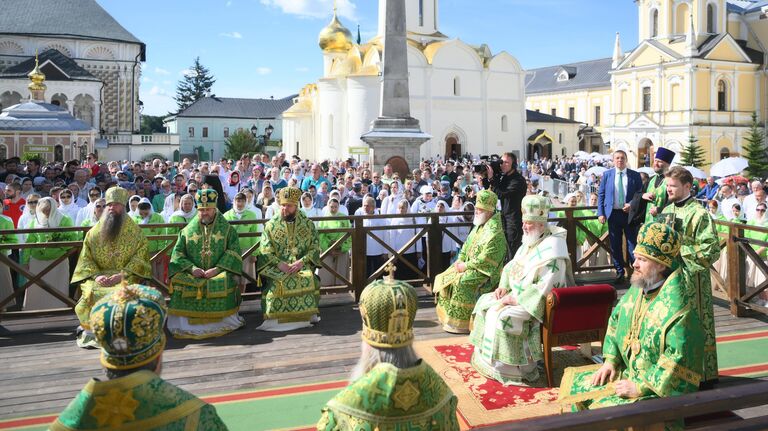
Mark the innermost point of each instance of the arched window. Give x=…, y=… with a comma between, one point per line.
x=711, y=19
x=504, y=123
x=456, y=86
x=646, y=99
x=58, y=153
x=725, y=153
x=421, y=13
x=722, y=96
x=654, y=23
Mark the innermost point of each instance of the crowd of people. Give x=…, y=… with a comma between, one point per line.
x=493, y=287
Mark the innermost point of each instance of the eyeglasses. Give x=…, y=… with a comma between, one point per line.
x=32, y=202
x=99, y=206
x=94, y=195
x=760, y=210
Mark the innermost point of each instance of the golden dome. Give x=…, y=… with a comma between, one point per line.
x=335, y=37
x=37, y=77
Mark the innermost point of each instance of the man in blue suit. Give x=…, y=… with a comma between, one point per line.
x=617, y=188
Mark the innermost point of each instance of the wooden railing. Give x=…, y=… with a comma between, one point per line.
x=731, y=287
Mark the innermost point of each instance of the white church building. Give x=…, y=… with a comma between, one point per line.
x=467, y=98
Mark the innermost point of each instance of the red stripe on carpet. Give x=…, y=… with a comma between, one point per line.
x=28, y=422
x=274, y=392
x=744, y=370
x=737, y=337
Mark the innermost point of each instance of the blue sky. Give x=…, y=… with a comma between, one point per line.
x=263, y=48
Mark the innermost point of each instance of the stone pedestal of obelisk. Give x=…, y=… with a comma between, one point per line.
x=395, y=133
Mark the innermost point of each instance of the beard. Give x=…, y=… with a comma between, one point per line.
x=206, y=219
x=112, y=225
x=480, y=219
x=530, y=237
x=645, y=280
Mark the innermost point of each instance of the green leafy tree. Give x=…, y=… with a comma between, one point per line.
x=152, y=124
x=693, y=154
x=756, y=150
x=239, y=143
x=195, y=85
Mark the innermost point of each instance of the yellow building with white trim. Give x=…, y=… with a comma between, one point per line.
x=699, y=69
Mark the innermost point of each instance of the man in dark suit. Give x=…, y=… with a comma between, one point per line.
x=617, y=188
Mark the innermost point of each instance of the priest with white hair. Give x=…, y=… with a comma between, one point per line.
x=506, y=321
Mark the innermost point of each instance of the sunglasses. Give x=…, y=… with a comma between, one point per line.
x=32, y=202
x=760, y=210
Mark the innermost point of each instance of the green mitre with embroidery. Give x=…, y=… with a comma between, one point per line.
x=486, y=200
x=388, y=308
x=129, y=326
x=206, y=198
x=659, y=243
x=388, y=398
x=138, y=401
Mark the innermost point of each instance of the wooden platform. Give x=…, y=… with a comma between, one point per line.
x=42, y=368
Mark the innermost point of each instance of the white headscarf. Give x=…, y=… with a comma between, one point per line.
x=145, y=220
x=136, y=212
x=54, y=218
x=71, y=209
x=91, y=213
x=187, y=215
x=168, y=209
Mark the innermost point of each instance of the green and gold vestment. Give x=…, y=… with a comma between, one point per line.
x=483, y=252
x=205, y=247
x=653, y=340
x=388, y=398
x=657, y=186
x=138, y=401
x=289, y=297
x=700, y=249
x=128, y=253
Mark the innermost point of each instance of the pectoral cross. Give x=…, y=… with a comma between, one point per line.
x=390, y=268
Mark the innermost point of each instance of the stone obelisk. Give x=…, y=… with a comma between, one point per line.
x=395, y=133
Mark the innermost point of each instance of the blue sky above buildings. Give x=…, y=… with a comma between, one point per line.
x=263, y=48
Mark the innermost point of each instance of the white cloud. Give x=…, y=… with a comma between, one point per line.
x=232, y=34
x=146, y=79
x=314, y=8
x=263, y=70
x=157, y=91
x=161, y=71
x=302, y=69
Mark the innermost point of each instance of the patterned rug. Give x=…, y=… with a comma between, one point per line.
x=485, y=402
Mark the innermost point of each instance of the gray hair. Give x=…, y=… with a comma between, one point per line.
x=401, y=357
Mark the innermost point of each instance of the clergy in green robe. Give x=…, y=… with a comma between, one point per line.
x=476, y=270
x=656, y=191
x=338, y=257
x=240, y=212
x=506, y=328
x=288, y=258
x=700, y=249
x=114, y=248
x=128, y=324
x=391, y=388
x=652, y=347
x=205, y=273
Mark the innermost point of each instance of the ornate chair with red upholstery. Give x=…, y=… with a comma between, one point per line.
x=575, y=315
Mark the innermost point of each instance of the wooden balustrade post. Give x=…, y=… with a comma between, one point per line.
x=360, y=250
x=736, y=274
x=435, y=246
x=570, y=239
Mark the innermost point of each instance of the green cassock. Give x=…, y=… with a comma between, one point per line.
x=654, y=340
x=700, y=249
x=388, y=398
x=657, y=186
x=127, y=253
x=289, y=297
x=205, y=247
x=155, y=245
x=483, y=252
x=138, y=401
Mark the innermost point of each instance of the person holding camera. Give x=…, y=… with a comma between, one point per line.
x=509, y=185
